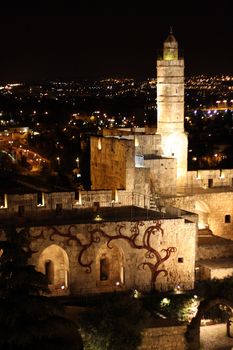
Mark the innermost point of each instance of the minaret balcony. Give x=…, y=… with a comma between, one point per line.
x=172, y=55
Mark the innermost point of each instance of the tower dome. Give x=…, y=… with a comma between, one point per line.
x=170, y=48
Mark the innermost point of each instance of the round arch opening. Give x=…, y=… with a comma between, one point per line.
x=203, y=211
x=54, y=263
x=110, y=272
x=208, y=332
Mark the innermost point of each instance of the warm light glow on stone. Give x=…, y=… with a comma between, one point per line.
x=99, y=146
x=98, y=218
x=136, y=141
x=173, y=146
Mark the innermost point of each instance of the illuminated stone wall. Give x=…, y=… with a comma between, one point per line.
x=200, y=178
x=218, y=250
x=148, y=144
x=112, y=163
x=142, y=181
x=170, y=106
x=170, y=95
x=84, y=245
x=162, y=175
x=212, y=209
x=29, y=202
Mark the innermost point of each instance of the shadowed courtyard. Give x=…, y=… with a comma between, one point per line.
x=214, y=338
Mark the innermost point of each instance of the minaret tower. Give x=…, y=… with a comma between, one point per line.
x=170, y=106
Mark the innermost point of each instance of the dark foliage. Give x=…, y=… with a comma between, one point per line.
x=215, y=288
x=114, y=325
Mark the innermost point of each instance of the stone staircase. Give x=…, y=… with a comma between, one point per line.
x=205, y=232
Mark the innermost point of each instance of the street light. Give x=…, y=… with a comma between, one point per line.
x=58, y=161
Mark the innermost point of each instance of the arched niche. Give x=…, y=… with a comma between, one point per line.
x=54, y=263
x=193, y=329
x=110, y=267
x=203, y=211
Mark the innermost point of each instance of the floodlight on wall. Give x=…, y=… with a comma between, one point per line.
x=221, y=175
x=98, y=218
x=177, y=289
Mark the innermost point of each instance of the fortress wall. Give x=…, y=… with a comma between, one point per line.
x=174, y=238
x=215, y=206
x=201, y=178
x=29, y=202
x=213, y=251
x=148, y=144
x=111, y=164
x=162, y=175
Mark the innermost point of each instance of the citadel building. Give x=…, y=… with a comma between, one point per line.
x=147, y=223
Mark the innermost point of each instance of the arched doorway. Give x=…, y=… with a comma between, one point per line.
x=54, y=263
x=193, y=329
x=203, y=211
x=110, y=274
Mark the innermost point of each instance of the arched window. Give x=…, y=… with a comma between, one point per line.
x=110, y=268
x=227, y=219
x=54, y=263
x=49, y=271
x=104, y=269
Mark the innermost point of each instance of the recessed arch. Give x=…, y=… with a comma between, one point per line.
x=110, y=267
x=54, y=262
x=203, y=211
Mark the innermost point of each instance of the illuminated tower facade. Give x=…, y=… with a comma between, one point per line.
x=170, y=106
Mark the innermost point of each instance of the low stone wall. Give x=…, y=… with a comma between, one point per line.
x=214, y=206
x=164, y=338
x=218, y=250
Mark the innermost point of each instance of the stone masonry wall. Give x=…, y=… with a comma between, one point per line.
x=162, y=175
x=171, y=238
x=29, y=202
x=142, y=181
x=148, y=144
x=111, y=162
x=221, y=178
x=212, y=251
x=164, y=338
x=218, y=205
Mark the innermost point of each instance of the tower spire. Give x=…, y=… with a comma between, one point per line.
x=171, y=30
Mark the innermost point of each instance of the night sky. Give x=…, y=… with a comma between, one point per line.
x=94, y=39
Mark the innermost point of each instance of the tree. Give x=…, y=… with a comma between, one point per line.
x=29, y=319
x=216, y=288
x=114, y=325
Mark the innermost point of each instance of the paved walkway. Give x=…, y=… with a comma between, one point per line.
x=214, y=338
